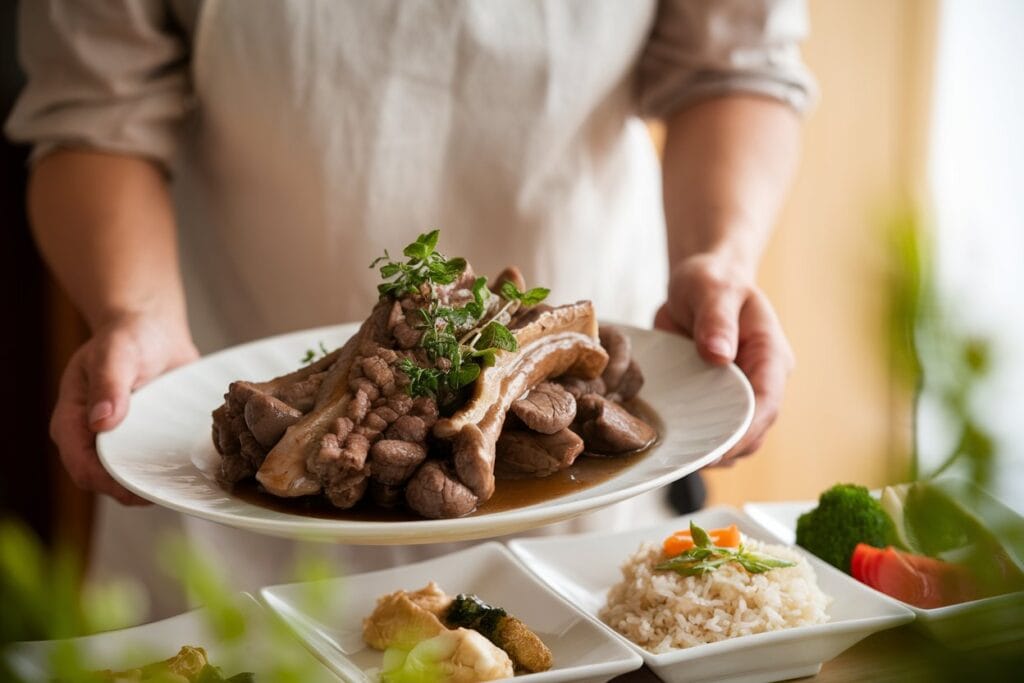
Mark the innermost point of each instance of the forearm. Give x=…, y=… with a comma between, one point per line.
x=105, y=225
x=728, y=163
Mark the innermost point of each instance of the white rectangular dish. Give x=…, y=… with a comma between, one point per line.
x=264, y=647
x=583, y=567
x=328, y=615
x=968, y=625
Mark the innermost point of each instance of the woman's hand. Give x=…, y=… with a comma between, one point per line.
x=96, y=387
x=730, y=319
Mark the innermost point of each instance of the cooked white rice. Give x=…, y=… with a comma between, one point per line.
x=663, y=610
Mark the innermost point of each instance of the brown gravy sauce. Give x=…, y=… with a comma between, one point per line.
x=509, y=494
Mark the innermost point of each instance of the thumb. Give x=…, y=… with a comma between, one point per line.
x=716, y=325
x=110, y=376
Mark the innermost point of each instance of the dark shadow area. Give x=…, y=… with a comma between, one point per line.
x=25, y=490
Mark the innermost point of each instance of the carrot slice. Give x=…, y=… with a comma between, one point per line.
x=681, y=541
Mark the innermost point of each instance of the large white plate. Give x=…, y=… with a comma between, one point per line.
x=164, y=453
x=967, y=625
x=263, y=647
x=583, y=567
x=328, y=616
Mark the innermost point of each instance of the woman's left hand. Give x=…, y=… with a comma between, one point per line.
x=730, y=319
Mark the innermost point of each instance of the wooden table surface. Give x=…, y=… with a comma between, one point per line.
x=905, y=655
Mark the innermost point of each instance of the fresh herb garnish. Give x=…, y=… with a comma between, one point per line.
x=425, y=265
x=530, y=297
x=706, y=557
x=458, y=341
x=311, y=354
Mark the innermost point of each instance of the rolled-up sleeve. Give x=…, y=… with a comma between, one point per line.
x=705, y=48
x=110, y=75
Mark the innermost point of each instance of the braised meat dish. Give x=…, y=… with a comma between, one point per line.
x=450, y=382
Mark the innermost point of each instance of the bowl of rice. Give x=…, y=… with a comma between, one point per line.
x=729, y=624
x=661, y=610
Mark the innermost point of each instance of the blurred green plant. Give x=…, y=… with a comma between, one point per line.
x=44, y=598
x=933, y=355
x=943, y=366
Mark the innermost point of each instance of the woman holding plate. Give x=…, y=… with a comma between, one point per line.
x=278, y=147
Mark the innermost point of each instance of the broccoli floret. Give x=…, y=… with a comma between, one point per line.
x=846, y=515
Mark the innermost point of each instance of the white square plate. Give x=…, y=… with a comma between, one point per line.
x=261, y=650
x=977, y=623
x=583, y=567
x=332, y=628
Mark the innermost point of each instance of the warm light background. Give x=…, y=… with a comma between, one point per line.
x=825, y=269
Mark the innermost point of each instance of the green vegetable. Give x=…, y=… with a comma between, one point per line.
x=705, y=557
x=846, y=515
x=469, y=611
x=424, y=663
x=950, y=521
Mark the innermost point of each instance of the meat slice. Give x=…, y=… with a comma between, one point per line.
x=620, y=352
x=268, y=417
x=563, y=340
x=609, y=429
x=547, y=408
x=529, y=454
x=434, y=493
x=284, y=471
x=241, y=448
x=392, y=461
x=577, y=386
x=630, y=384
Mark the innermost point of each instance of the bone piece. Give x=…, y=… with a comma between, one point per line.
x=284, y=472
x=563, y=340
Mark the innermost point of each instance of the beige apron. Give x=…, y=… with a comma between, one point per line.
x=330, y=131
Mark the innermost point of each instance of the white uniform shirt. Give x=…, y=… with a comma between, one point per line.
x=304, y=138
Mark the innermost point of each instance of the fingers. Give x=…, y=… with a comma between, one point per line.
x=716, y=324
x=111, y=371
x=663, y=321
x=704, y=300
x=767, y=359
x=76, y=442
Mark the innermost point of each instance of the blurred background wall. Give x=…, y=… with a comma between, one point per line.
x=825, y=270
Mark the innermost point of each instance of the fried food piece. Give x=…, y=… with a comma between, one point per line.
x=397, y=621
x=527, y=651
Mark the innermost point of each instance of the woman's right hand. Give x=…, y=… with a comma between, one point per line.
x=95, y=390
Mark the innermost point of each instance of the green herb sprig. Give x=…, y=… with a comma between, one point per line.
x=424, y=265
x=311, y=354
x=705, y=557
x=458, y=341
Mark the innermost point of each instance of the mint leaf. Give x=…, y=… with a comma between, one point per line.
x=497, y=336
x=534, y=296
x=531, y=297
x=699, y=536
